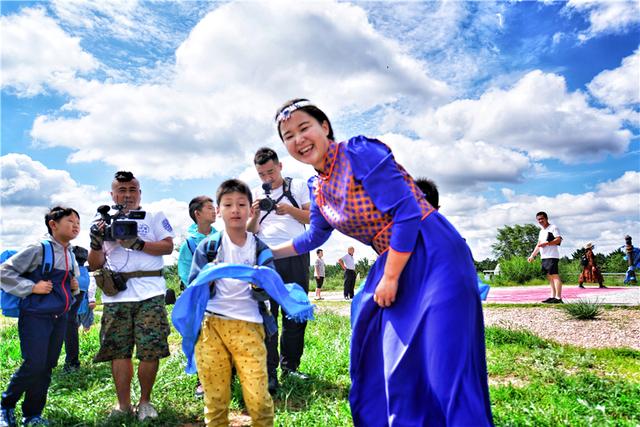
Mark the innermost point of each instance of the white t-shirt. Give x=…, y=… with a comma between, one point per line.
x=154, y=227
x=232, y=297
x=276, y=229
x=349, y=262
x=552, y=251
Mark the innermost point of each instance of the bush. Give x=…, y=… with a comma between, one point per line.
x=519, y=270
x=583, y=309
x=569, y=270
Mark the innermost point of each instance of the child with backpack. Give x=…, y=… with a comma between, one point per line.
x=203, y=214
x=42, y=275
x=232, y=331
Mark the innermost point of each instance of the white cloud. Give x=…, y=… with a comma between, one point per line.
x=37, y=53
x=537, y=115
x=458, y=164
x=603, y=216
x=606, y=17
x=29, y=189
x=619, y=88
x=228, y=82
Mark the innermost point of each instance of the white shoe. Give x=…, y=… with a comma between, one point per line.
x=146, y=410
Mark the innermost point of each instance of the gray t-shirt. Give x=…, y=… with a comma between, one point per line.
x=319, y=268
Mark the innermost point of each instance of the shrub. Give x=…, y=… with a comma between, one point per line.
x=569, y=270
x=583, y=309
x=518, y=270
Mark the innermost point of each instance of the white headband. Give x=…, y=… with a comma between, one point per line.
x=286, y=111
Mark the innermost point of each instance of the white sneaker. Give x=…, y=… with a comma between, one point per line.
x=146, y=410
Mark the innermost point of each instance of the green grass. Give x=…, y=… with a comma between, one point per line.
x=534, y=382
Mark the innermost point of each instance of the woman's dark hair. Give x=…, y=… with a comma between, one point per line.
x=233, y=186
x=196, y=204
x=311, y=110
x=57, y=213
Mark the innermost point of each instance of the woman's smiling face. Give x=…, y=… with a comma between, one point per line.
x=305, y=138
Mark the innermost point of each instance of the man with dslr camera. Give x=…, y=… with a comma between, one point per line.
x=126, y=250
x=280, y=210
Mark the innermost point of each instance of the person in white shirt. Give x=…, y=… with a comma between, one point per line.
x=135, y=315
x=318, y=272
x=549, y=240
x=348, y=264
x=280, y=212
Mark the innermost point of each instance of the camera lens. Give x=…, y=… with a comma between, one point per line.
x=266, y=204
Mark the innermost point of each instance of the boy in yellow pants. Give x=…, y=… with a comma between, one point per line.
x=232, y=331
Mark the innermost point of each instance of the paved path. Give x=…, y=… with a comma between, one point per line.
x=534, y=294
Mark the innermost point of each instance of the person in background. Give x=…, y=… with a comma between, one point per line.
x=86, y=319
x=318, y=273
x=43, y=314
x=348, y=264
x=430, y=190
x=71, y=341
x=590, y=271
x=286, y=216
x=549, y=240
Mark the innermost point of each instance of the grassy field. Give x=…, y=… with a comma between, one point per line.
x=533, y=383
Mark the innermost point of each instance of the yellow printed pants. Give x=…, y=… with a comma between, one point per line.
x=221, y=343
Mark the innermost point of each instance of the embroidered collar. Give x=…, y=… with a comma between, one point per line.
x=329, y=160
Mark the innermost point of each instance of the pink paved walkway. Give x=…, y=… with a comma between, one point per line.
x=535, y=294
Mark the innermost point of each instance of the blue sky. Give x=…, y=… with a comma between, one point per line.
x=511, y=107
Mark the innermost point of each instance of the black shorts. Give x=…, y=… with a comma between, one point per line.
x=550, y=266
x=319, y=282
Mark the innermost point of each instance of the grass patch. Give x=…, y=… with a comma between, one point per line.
x=583, y=309
x=535, y=382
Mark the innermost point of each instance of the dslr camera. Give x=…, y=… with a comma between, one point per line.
x=267, y=204
x=119, y=226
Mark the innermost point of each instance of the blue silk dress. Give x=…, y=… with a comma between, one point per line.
x=420, y=362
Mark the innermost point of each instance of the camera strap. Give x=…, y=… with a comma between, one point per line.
x=286, y=192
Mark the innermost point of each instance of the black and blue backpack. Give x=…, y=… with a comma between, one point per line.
x=9, y=303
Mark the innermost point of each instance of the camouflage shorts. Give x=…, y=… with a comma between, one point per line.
x=141, y=323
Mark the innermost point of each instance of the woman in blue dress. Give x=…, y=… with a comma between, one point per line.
x=417, y=346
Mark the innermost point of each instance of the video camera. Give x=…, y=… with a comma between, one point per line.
x=267, y=204
x=119, y=226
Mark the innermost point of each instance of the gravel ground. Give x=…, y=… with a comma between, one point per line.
x=617, y=327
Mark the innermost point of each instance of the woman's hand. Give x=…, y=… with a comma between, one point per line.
x=385, y=293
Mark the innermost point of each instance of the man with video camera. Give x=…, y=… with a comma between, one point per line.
x=280, y=210
x=127, y=246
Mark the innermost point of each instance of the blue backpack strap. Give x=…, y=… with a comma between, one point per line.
x=47, y=257
x=191, y=244
x=264, y=255
x=212, y=246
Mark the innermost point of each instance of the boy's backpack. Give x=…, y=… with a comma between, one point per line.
x=10, y=303
x=191, y=244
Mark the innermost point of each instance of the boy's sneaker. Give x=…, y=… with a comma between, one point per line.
x=558, y=301
x=7, y=417
x=273, y=385
x=117, y=412
x=146, y=410
x=34, y=421
x=294, y=374
x=549, y=300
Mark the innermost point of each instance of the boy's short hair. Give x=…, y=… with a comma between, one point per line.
x=233, y=186
x=430, y=190
x=57, y=213
x=124, y=176
x=196, y=204
x=318, y=251
x=263, y=155
x=544, y=214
